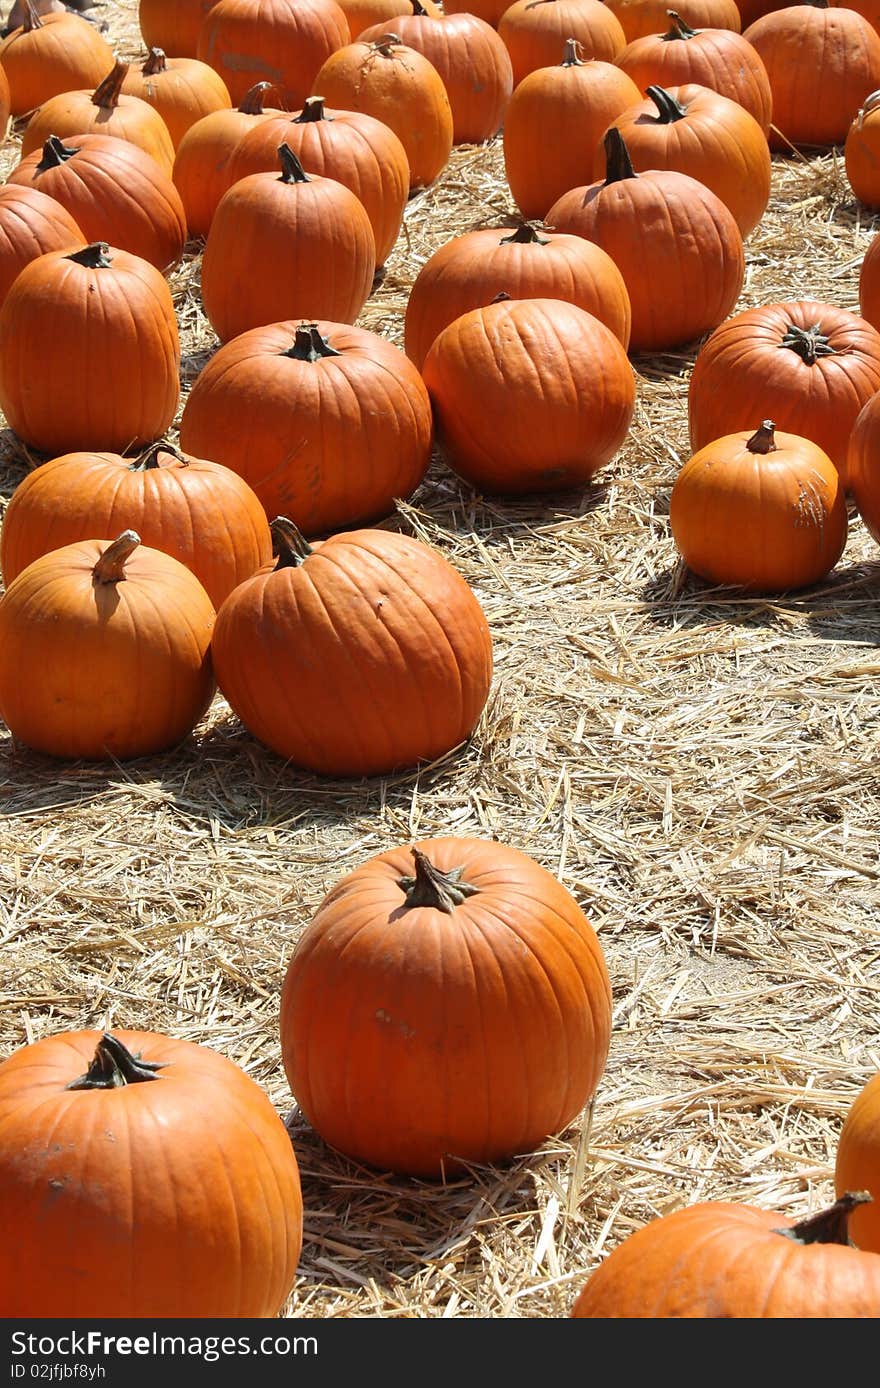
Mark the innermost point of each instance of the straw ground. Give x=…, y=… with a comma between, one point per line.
x=699, y=768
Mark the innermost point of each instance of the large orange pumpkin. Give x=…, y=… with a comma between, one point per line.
x=857, y=1163
x=676, y=245
x=862, y=152
x=526, y=263
x=105, y=111
x=811, y=366
x=279, y=41
x=356, y=656
x=762, y=510
x=173, y=24
x=52, y=54
x=203, y=163
x=328, y=424
x=363, y=14
x=31, y=225
x=555, y=121
x=202, y=513
x=105, y=651
x=535, y=34
x=142, y=1177
x=286, y=246
x=726, y=1261
x=863, y=470
x=89, y=352
x=476, y=1001
x=869, y=284
x=529, y=395
x=180, y=90
x=641, y=18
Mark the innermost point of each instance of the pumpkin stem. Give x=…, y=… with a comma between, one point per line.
x=289, y=543
x=309, y=345
x=831, y=1225
x=149, y=458
x=870, y=103
x=431, y=887
x=93, y=257
x=313, y=109
x=55, y=153
x=384, y=45
x=763, y=440
x=418, y=8
x=809, y=343
x=107, y=93
x=526, y=234
x=668, y=108
x=110, y=568
x=572, y=55
x=292, y=170
x=252, y=101
x=618, y=164
x=113, y=1066
x=156, y=62
x=678, y=29
x=502, y=297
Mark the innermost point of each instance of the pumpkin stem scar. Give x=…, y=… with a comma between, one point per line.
x=809, y=343
x=831, y=1225
x=113, y=1066
x=431, y=887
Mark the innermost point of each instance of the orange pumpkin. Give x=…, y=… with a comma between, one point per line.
x=279, y=41
x=700, y=133
x=105, y=111
x=641, y=18
x=869, y=284
x=52, y=54
x=716, y=58
x=114, y=191
x=31, y=225
x=402, y=89
x=477, y=1007
x=675, y=243
x=173, y=25
x=556, y=119
x=857, y=1164
x=529, y=395
x=535, y=35
x=863, y=469
x=735, y=1262
x=763, y=510
x=363, y=14
x=93, y=1231
x=488, y=10
x=105, y=651
x=351, y=147
x=811, y=365
x=528, y=263
x=862, y=152
x=203, y=163
x=286, y=246
x=327, y=423
x=200, y=512
x=180, y=90
x=89, y=351
x=356, y=656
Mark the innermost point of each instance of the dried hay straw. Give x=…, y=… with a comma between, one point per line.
x=698, y=767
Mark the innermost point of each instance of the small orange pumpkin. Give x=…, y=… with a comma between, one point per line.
x=203, y=164
x=180, y=90
x=279, y=41
x=105, y=111
x=857, y=1164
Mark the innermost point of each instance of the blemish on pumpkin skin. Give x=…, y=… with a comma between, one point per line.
x=383, y=1016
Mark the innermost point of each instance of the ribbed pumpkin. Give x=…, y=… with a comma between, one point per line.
x=527, y=263
x=89, y=352
x=762, y=510
x=822, y=63
x=52, y=54
x=31, y=225
x=180, y=90
x=115, y=1200
x=114, y=191
x=105, y=111
x=489, y=10
x=857, y=1164
x=863, y=470
x=200, y=512
x=279, y=41
x=105, y=651
x=641, y=18
x=173, y=24
x=716, y=58
x=535, y=34
x=556, y=119
x=726, y=1261
x=5, y=105
x=471, y=60
x=357, y=150
x=477, y=1008
x=676, y=245
x=286, y=246
x=699, y=132
x=398, y=86
x=812, y=366
x=363, y=14
x=360, y=655
x=869, y=284
x=862, y=152
x=203, y=163
x=327, y=423
x=529, y=395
